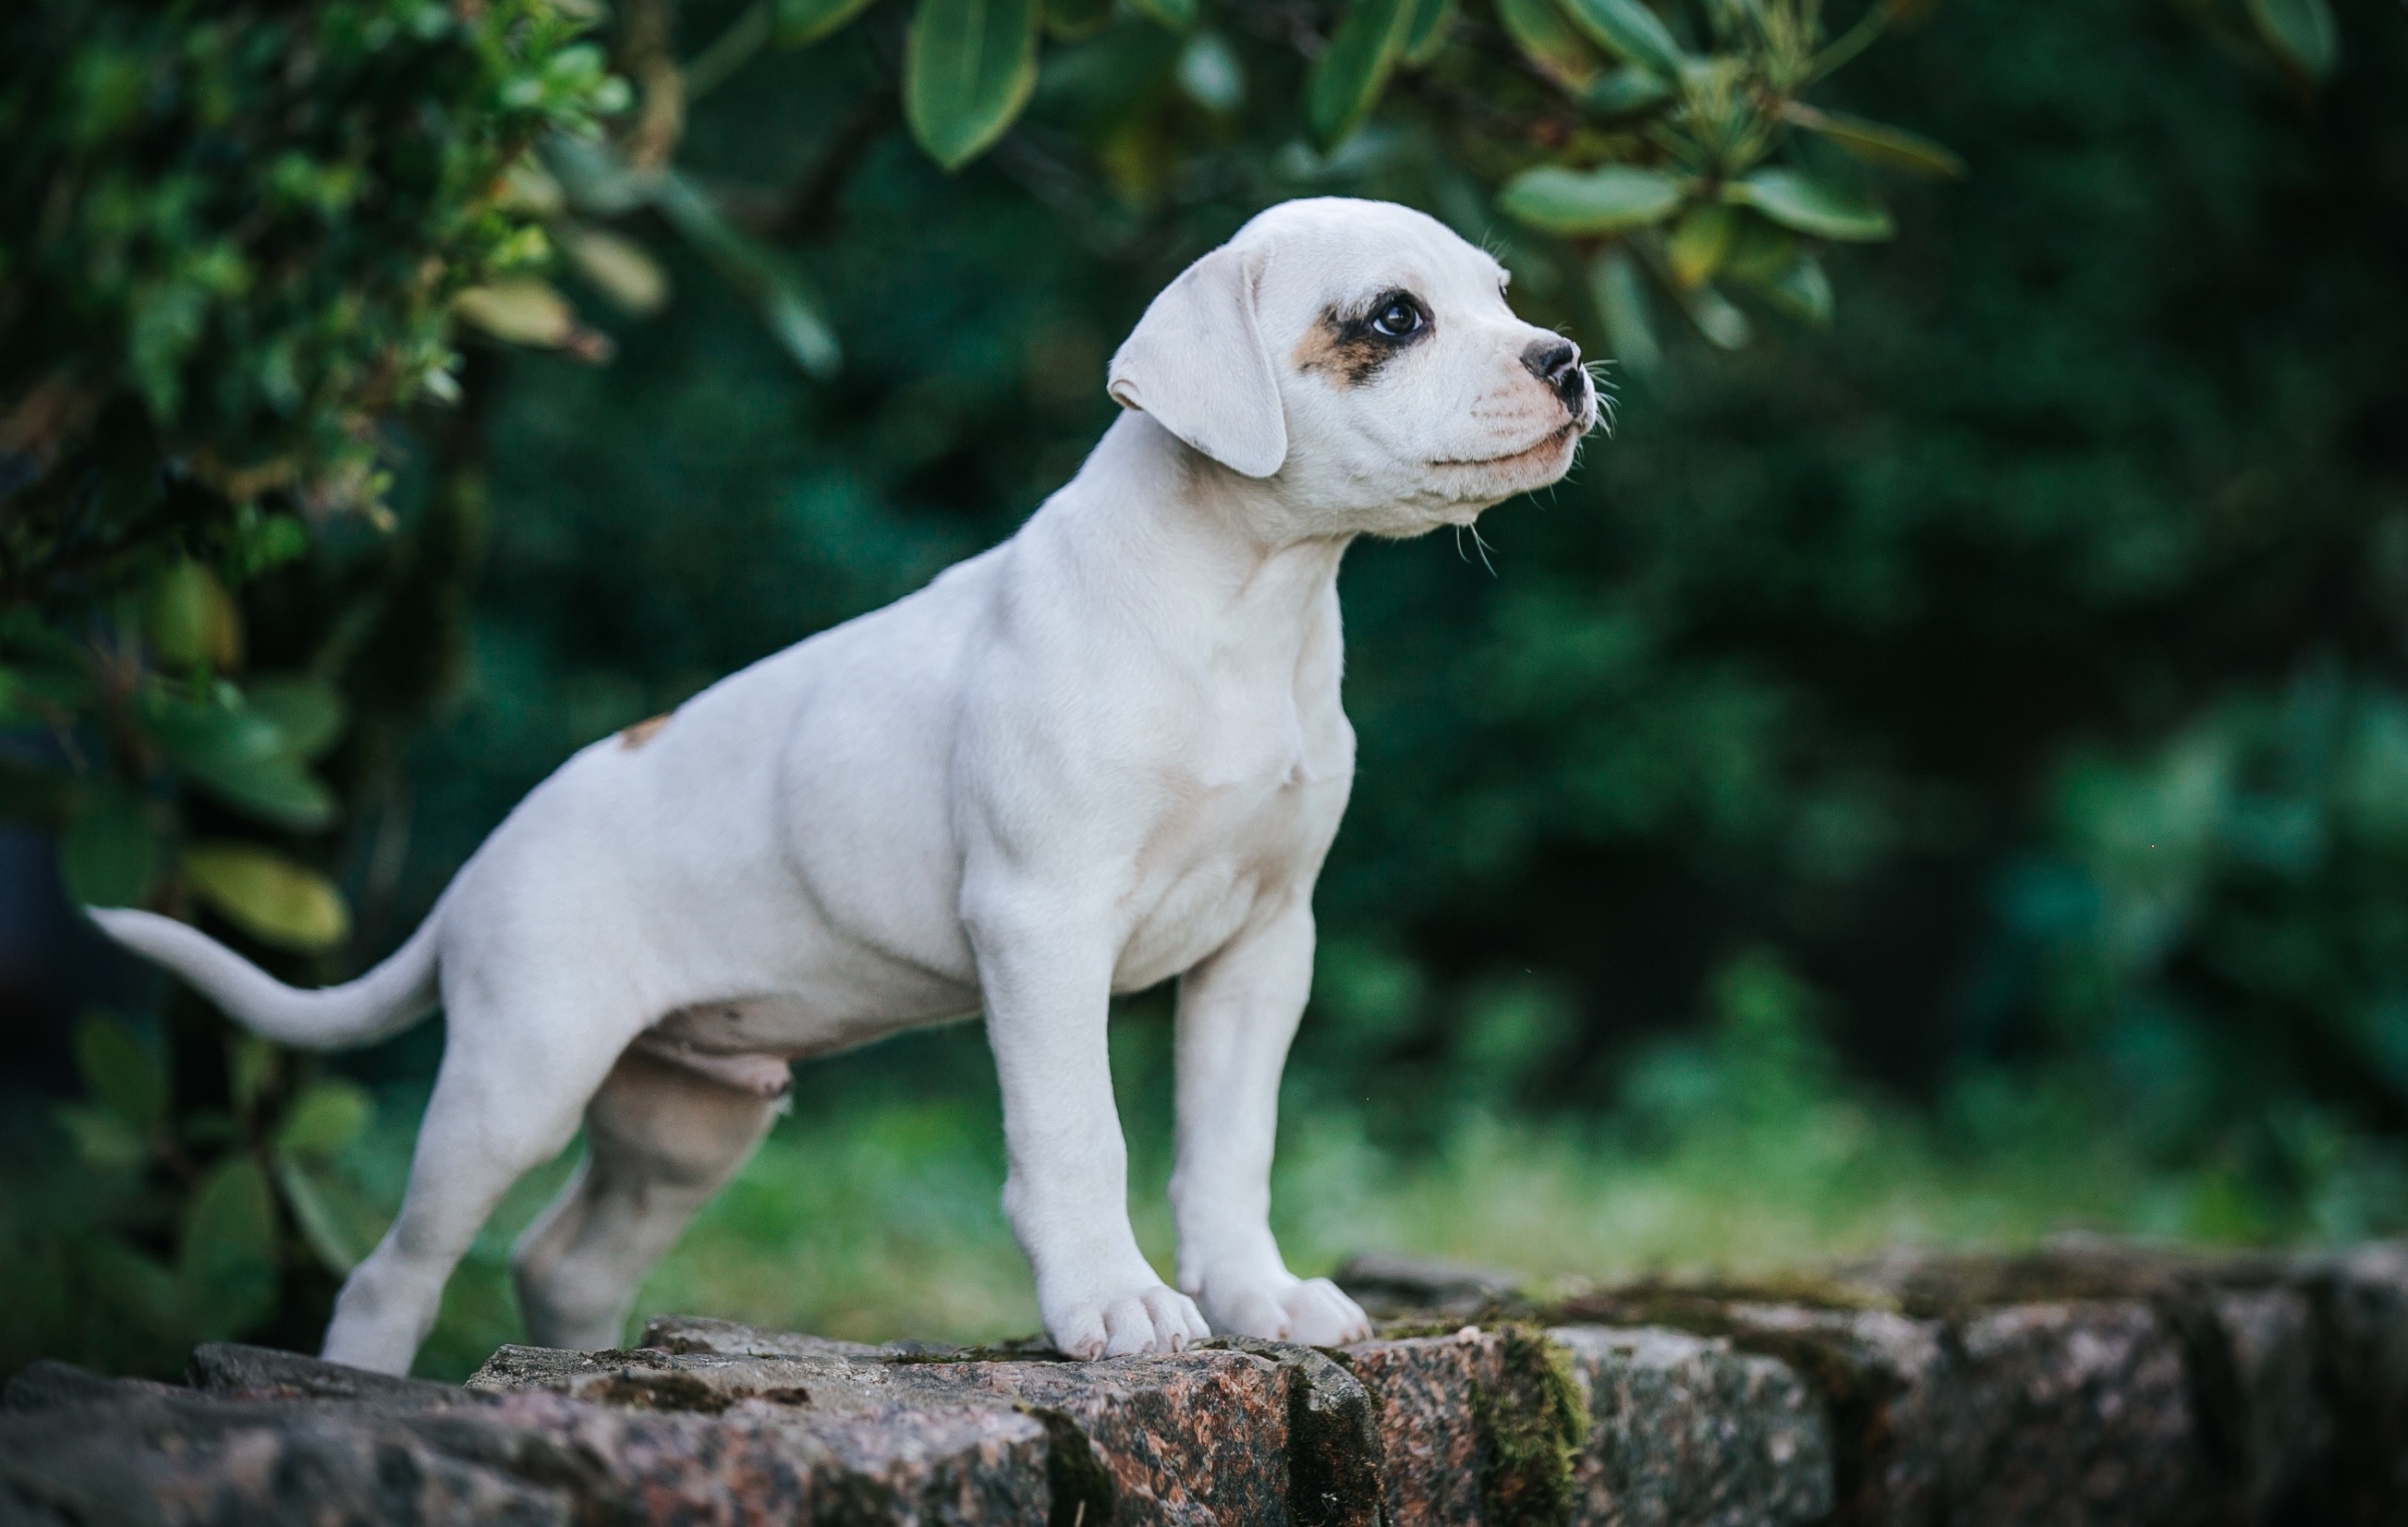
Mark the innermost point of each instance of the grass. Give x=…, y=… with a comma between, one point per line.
x=873, y=1210
x=874, y=1213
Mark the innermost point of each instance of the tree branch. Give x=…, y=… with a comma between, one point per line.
x=646, y=28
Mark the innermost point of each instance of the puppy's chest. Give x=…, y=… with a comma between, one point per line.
x=1245, y=814
x=1254, y=767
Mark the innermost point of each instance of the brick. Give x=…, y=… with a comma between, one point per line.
x=1430, y=1442
x=1684, y=1430
x=2361, y=1298
x=2086, y=1384
x=1484, y=1425
x=1888, y=1382
x=528, y=1455
x=1194, y=1437
x=1197, y=1438
x=2077, y=1412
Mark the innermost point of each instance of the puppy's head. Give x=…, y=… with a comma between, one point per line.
x=1362, y=358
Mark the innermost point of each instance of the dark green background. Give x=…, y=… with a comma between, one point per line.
x=1842, y=646
x=1991, y=709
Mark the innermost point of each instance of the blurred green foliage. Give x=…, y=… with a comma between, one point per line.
x=1929, y=777
x=873, y=1212
x=232, y=237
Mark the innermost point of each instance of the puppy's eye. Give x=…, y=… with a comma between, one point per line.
x=1398, y=319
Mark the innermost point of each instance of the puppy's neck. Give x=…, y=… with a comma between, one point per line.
x=1246, y=530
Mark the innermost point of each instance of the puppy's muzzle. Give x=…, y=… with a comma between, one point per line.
x=1555, y=362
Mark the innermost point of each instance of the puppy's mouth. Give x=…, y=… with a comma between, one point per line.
x=1530, y=455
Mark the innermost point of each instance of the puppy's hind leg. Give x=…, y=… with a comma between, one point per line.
x=660, y=1140
x=504, y=1101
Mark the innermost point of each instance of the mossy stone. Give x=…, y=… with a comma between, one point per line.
x=1533, y=1422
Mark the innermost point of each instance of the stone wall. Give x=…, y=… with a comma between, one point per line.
x=2087, y=1384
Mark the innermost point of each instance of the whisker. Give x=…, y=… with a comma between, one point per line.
x=1602, y=386
x=1481, y=544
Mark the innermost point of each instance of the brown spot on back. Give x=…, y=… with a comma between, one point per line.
x=644, y=731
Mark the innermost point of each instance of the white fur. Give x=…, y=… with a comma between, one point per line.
x=1106, y=752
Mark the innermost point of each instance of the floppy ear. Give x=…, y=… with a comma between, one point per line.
x=1195, y=362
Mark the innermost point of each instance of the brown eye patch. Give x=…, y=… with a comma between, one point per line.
x=1351, y=345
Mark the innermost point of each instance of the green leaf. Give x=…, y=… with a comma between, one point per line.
x=795, y=321
x=2300, y=33
x=1353, y=70
x=1880, y=143
x=1724, y=326
x=1621, y=297
x=268, y=896
x=1759, y=251
x=122, y=1073
x=1178, y=15
x=265, y=542
x=190, y=620
x=1811, y=206
x=307, y=709
x=969, y=67
x=1426, y=33
x=252, y=1065
x=1626, y=91
x=522, y=310
x=1547, y=40
x=117, y=1277
x=620, y=268
x=324, y=1120
x=759, y=274
x=1607, y=200
x=808, y=21
x=240, y=757
x=101, y=1138
x=1801, y=289
x=108, y=851
x=338, y=1242
x=225, y=1270
x=1768, y=261
x=597, y=180
x=1630, y=32
x=1699, y=241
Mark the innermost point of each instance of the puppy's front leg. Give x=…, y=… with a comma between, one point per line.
x=1048, y=991
x=1237, y=1012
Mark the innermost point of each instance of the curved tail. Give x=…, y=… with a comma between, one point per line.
x=381, y=1003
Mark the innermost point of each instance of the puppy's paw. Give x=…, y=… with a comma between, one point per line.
x=1321, y=1314
x=1143, y=1318
x=1310, y=1312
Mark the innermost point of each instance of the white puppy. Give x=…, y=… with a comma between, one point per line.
x=1106, y=752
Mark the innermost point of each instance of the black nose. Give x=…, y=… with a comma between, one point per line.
x=1556, y=361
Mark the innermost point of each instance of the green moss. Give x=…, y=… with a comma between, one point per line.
x=1405, y=1330
x=1532, y=1423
